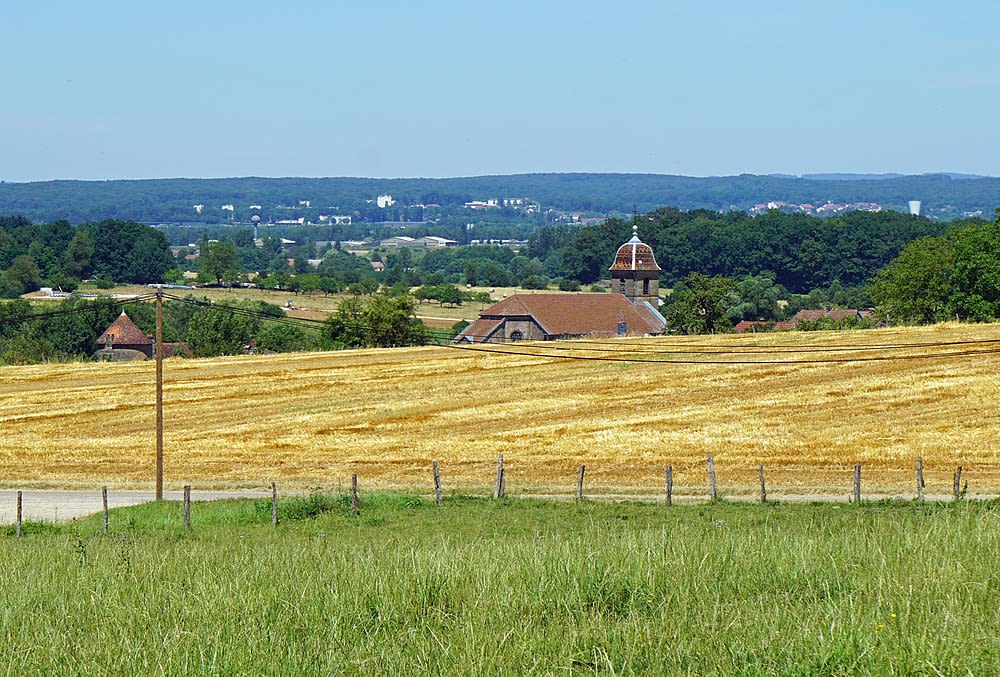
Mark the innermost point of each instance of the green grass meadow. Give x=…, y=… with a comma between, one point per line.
x=517, y=586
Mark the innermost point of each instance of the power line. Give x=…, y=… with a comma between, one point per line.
x=615, y=350
x=873, y=358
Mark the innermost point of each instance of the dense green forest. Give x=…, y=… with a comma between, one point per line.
x=804, y=252
x=173, y=200
x=61, y=255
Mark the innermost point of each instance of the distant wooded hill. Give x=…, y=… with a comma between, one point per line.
x=173, y=200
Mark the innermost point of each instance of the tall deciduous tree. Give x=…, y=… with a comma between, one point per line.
x=701, y=305
x=219, y=261
x=916, y=287
x=218, y=331
x=21, y=277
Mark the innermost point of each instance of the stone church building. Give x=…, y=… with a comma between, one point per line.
x=631, y=309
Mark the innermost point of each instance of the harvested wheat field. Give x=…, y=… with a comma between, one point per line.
x=310, y=420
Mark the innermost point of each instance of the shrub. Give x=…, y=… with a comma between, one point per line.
x=535, y=282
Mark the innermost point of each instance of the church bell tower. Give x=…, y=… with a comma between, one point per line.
x=635, y=273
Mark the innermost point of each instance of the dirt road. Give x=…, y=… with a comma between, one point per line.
x=60, y=506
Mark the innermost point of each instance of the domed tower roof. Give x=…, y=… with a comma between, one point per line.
x=635, y=255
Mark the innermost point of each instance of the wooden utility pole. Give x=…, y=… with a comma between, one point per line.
x=159, y=395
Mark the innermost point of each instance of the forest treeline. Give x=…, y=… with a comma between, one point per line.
x=61, y=255
x=721, y=268
x=804, y=252
x=173, y=200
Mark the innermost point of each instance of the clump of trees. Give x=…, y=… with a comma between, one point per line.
x=953, y=276
x=380, y=321
x=58, y=255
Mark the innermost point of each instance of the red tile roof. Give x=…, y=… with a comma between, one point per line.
x=635, y=255
x=575, y=314
x=124, y=331
x=479, y=331
x=812, y=315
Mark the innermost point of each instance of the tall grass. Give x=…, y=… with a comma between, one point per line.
x=512, y=587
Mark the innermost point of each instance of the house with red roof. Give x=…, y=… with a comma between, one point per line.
x=631, y=309
x=803, y=316
x=123, y=341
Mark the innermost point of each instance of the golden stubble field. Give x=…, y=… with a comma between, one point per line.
x=311, y=420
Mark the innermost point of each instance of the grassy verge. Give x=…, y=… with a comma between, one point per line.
x=511, y=587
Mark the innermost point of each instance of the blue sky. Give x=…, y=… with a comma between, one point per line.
x=124, y=89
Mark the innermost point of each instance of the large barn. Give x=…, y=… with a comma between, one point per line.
x=630, y=310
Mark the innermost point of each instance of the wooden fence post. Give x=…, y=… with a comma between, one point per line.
x=498, y=488
x=274, y=504
x=354, y=495
x=857, y=482
x=958, y=483
x=920, y=478
x=17, y=529
x=668, y=480
x=579, y=483
x=763, y=487
x=712, y=495
x=104, y=500
x=437, y=484
x=187, y=506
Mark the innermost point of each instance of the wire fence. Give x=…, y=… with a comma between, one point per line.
x=689, y=482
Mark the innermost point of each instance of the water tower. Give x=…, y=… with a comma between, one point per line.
x=255, y=220
x=915, y=207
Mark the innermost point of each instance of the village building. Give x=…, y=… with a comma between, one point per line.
x=631, y=309
x=803, y=316
x=123, y=341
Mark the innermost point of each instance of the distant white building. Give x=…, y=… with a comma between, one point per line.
x=400, y=241
x=228, y=208
x=384, y=201
x=198, y=208
x=433, y=242
x=492, y=203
